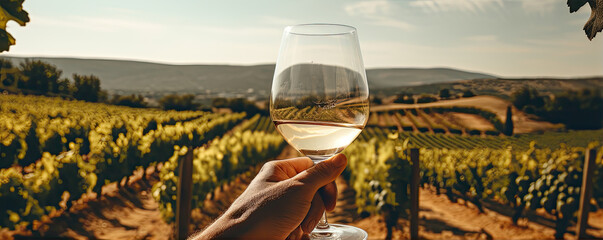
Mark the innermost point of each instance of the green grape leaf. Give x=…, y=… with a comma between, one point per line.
x=10, y=10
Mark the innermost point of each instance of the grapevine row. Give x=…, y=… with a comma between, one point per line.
x=532, y=178
x=431, y=120
x=32, y=125
x=218, y=163
x=117, y=145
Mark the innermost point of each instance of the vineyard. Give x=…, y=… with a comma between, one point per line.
x=450, y=120
x=479, y=115
x=219, y=162
x=54, y=152
x=52, y=147
x=516, y=172
x=451, y=141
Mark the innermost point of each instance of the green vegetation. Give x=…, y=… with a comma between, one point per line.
x=87, y=88
x=498, y=87
x=218, y=163
x=575, y=109
x=41, y=78
x=84, y=146
x=444, y=93
x=375, y=100
x=425, y=98
x=508, y=130
x=379, y=174
x=178, y=102
x=71, y=148
x=404, y=98
x=503, y=170
x=527, y=99
x=238, y=105
x=135, y=101
x=468, y=93
x=551, y=140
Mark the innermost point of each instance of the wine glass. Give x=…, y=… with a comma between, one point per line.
x=319, y=100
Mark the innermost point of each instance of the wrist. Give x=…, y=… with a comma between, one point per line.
x=227, y=226
x=220, y=229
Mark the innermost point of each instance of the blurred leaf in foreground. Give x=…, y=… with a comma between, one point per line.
x=595, y=22
x=10, y=10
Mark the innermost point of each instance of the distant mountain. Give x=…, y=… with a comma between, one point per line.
x=397, y=77
x=155, y=77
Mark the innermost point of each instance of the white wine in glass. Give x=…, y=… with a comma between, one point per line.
x=319, y=100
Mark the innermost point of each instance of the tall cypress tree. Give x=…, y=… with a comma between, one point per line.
x=509, y=122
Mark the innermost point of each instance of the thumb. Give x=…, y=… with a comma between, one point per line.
x=324, y=172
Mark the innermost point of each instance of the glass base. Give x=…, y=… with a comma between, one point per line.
x=339, y=232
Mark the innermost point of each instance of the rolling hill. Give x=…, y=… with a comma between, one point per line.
x=523, y=122
x=398, y=77
x=500, y=87
x=155, y=77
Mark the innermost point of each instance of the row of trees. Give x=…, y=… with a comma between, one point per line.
x=575, y=109
x=238, y=105
x=444, y=93
x=38, y=77
x=168, y=102
x=41, y=78
x=187, y=102
x=179, y=102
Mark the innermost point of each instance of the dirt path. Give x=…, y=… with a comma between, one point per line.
x=442, y=219
x=121, y=213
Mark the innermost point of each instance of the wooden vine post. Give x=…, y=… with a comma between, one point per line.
x=185, y=190
x=414, y=194
x=585, y=195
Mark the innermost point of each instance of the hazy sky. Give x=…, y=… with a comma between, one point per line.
x=503, y=37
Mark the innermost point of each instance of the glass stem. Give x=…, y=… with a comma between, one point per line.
x=323, y=223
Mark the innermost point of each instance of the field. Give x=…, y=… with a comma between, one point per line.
x=455, y=120
x=83, y=170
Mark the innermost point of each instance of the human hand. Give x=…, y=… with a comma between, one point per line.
x=281, y=201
